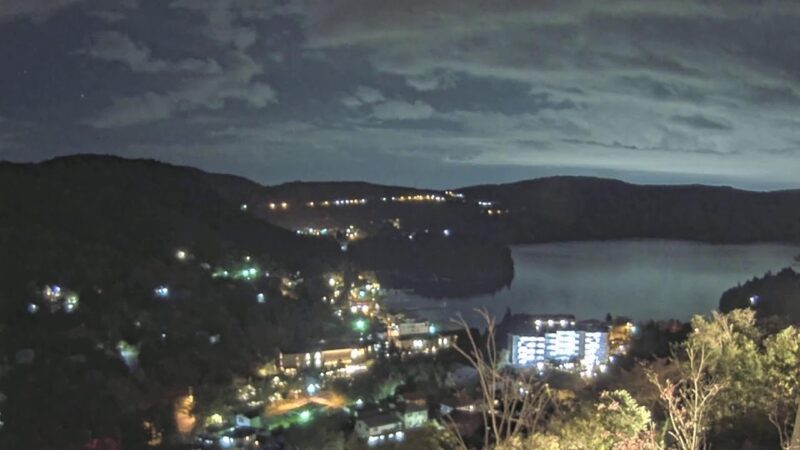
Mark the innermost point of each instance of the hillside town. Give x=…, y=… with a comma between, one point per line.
x=335, y=377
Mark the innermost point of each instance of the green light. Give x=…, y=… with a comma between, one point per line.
x=305, y=416
x=361, y=325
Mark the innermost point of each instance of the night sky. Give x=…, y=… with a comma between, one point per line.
x=419, y=92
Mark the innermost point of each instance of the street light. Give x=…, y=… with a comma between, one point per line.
x=361, y=325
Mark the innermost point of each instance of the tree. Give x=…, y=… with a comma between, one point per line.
x=688, y=401
x=615, y=422
x=760, y=372
x=512, y=403
x=782, y=368
x=729, y=347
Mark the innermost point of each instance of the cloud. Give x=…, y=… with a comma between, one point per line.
x=701, y=122
x=114, y=46
x=382, y=108
x=432, y=81
x=363, y=95
x=209, y=92
x=113, y=12
x=234, y=77
x=618, y=72
x=402, y=110
x=225, y=19
x=33, y=9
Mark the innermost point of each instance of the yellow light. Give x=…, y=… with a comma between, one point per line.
x=272, y=206
x=185, y=420
x=154, y=436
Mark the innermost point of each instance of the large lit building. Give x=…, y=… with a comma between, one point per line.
x=560, y=340
x=419, y=337
x=330, y=359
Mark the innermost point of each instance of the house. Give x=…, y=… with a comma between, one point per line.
x=462, y=402
x=380, y=428
x=414, y=416
x=250, y=418
x=414, y=397
x=326, y=356
x=243, y=437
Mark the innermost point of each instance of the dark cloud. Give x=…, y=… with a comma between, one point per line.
x=700, y=90
x=117, y=47
x=33, y=9
x=701, y=122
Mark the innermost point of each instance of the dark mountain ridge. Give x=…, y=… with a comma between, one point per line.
x=549, y=209
x=577, y=208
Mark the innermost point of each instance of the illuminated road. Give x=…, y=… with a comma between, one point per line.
x=328, y=400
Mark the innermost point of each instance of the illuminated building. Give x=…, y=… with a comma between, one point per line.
x=419, y=337
x=380, y=428
x=55, y=299
x=350, y=359
x=414, y=416
x=560, y=340
x=620, y=336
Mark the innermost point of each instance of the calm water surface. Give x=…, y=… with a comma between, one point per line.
x=639, y=279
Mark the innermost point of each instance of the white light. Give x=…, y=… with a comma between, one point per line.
x=33, y=308
x=162, y=291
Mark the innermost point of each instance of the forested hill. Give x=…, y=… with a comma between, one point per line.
x=775, y=294
x=579, y=208
x=65, y=217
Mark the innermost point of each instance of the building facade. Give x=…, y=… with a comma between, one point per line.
x=559, y=340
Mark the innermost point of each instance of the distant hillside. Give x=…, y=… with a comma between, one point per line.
x=578, y=208
x=771, y=295
x=556, y=209
x=63, y=216
x=309, y=191
x=107, y=231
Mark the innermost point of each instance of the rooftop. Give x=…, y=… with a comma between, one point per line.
x=377, y=420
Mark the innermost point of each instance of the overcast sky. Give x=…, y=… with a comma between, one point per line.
x=425, y=92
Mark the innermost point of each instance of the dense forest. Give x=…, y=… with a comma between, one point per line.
x=581, y=208
x=775, y=294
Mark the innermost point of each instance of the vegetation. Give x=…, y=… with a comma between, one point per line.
x=771, y=295
x=731, y=384
x=109, y=230
x=581, y=208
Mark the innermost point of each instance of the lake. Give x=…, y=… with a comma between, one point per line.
x=641, y=279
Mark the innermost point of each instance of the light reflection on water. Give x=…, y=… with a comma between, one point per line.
x=641, y=279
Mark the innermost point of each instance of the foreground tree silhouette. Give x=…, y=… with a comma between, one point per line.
x=687, y=402
x=512, y=403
